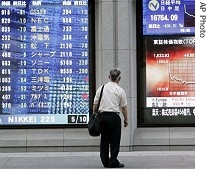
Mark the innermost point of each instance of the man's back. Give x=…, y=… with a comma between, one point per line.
x=113, y=98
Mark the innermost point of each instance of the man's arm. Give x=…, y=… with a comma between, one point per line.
x=125, y=114
x=94, y=107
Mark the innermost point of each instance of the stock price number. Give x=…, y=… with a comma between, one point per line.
x=173, y=17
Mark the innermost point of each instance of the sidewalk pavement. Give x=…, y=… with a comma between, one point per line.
x=91, y=160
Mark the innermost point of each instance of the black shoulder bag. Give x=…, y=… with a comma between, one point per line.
x=94, y=124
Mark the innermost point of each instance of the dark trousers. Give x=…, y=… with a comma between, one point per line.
x=110, y=138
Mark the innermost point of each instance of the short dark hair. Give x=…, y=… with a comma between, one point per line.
x=114, y=74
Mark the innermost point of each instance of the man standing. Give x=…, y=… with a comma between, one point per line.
x=113, y=102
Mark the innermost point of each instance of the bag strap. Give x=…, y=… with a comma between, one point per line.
x=100, y=98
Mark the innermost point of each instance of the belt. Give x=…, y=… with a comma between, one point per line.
x=109, y=112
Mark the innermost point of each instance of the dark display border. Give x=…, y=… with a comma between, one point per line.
x=142, y=119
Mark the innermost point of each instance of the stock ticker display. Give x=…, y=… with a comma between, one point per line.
x=162, y=17
x=168, y=31
x=44, y=56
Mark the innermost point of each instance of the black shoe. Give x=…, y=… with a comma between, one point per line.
x=106, y=166
x=121, y=165
x=117, y=166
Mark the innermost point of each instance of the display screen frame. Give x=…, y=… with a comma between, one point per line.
x=91, y=67
x=143, y=117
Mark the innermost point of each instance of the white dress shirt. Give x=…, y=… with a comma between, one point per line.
x=113, y=98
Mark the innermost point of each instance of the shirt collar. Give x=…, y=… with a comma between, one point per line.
x=112, y=83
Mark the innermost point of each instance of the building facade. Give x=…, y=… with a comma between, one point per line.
x=115, y=46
